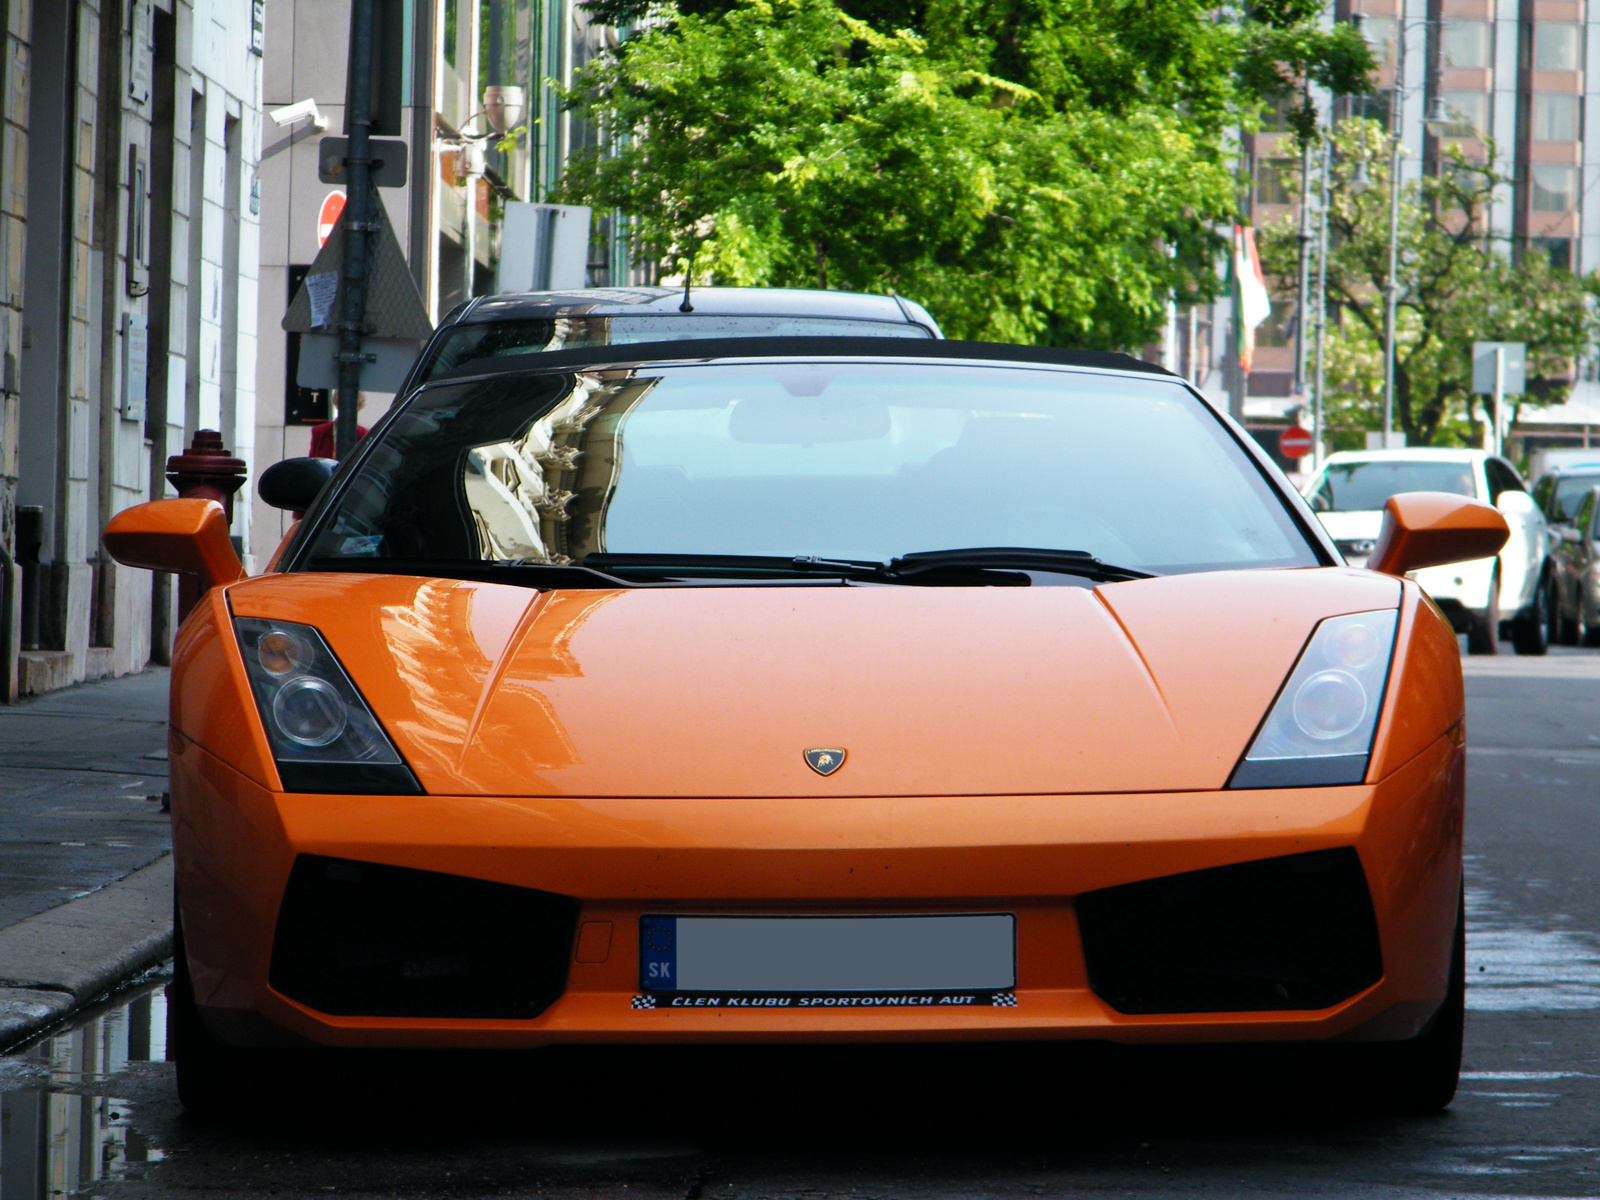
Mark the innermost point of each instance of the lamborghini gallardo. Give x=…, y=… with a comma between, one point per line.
x=813, y=690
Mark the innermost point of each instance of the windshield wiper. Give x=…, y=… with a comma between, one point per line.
x=1010, y=558
x=999, y=565
x=503, y=570
x=724, y=564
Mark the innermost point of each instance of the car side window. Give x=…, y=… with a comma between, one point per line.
x=1320, y=498
x=1542, y=493
x=1585, y=515
x=1501, y=479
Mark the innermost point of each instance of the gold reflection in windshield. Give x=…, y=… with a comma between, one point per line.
x=543, y=497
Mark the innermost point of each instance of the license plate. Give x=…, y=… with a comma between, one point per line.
x=827, y=962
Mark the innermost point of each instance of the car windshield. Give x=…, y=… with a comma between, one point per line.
x=1367, y=486
x=466, y=344
x=835, y=459
x=1570, y=491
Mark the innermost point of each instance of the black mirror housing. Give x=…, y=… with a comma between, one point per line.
x=295, y=483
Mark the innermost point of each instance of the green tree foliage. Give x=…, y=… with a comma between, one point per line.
x=1454, y=287
x=1047, y=171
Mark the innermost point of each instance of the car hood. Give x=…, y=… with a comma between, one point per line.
x=1151, y=685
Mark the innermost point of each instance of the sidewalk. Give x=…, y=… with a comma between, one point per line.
x=82, y=775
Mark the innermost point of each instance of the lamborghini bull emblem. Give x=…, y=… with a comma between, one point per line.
x=825, y=760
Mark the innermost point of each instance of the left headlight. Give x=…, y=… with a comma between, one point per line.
x=1319, y=731
x=324, y=737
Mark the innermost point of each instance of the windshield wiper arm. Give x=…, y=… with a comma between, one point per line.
x=714, y=563
x=1011, y=558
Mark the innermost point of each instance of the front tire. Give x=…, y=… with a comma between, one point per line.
x=1530, y=632
x=1588, y=630
x=1420, y=1076
x=213, y=1078
x=1484, y=636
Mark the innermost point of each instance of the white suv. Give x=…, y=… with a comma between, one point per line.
x=1513, y=590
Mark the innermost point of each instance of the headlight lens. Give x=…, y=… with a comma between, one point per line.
x=1319, y=732
x=323, y=736
x=310, y=712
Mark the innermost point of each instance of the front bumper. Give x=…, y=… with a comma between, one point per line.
x=237, y=843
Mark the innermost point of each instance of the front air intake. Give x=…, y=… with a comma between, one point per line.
x=359, y=939
x=1284, y=933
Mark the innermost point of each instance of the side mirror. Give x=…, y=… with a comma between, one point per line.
x=186, y=537
x=295, y=483
x=1516, y=503
x=1429, y=529
x=1569, y=533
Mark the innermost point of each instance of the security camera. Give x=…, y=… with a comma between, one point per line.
x=300, y=110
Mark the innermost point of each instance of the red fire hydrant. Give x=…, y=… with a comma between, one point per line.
x=205, y=471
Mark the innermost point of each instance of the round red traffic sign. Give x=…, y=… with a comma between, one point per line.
x=1294, y=442
x=328, y=217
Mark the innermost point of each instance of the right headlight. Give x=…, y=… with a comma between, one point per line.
x=324, y=737
x=1319, y=730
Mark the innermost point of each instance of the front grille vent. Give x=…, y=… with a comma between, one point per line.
x=1286, y=933
x=360, y=939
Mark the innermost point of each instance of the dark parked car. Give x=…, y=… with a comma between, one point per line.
x=525, y=323
x=1578, y=573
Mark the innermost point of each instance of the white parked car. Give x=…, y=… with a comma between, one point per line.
x=1513, y=592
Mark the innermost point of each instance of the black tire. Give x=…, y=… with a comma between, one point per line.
x=1420, y=1076
x=1588, y=631
x=1552, y=601
x=1566, y=627
x=1530, y=632
x=213, y=1079
x=1484, y=635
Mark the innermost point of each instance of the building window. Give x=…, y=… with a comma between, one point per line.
x=1469, y=111
x=1558, y=250
x=1464, y=43
x=1272, y=180
x=1555, y=46
x=1554, y=189
x=1380, y=36
x=1555, y=118
x=1371, y=107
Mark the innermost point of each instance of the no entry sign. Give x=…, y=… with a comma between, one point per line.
x=328, y=217
x=1294, y=442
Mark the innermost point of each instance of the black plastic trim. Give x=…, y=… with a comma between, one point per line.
x=348, y=779
x=1332, y=770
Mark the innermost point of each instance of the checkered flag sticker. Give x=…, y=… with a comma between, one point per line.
x=1005, y=1000
x=650, y=1001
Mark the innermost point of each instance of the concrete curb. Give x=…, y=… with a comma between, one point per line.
x=63, y=958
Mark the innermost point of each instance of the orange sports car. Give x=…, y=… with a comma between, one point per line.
x=832, y=690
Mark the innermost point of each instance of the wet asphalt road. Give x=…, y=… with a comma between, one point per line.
x=94, y=1112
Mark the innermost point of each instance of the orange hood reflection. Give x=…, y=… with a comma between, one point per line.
x=1153, y=685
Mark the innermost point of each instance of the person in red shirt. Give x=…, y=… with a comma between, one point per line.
x=322, y=436
x=323, y=440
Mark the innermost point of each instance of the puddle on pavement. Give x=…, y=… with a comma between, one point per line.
x=1513, y=966
x=62, y=1127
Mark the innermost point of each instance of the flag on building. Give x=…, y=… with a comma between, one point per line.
x=1251, y=303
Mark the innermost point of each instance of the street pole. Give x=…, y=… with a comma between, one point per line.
x=358, y=224
x=1499, y=394
x=1322, y=298
x=1391, y=287
x=1303, y=296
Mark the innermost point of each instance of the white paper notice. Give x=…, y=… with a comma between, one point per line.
x=322, y=289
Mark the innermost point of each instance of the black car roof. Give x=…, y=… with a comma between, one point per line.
x=708, y=301
x=710, y=349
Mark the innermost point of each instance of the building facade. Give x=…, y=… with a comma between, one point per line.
x=128, y=144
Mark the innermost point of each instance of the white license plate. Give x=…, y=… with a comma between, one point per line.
x=833, y=962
